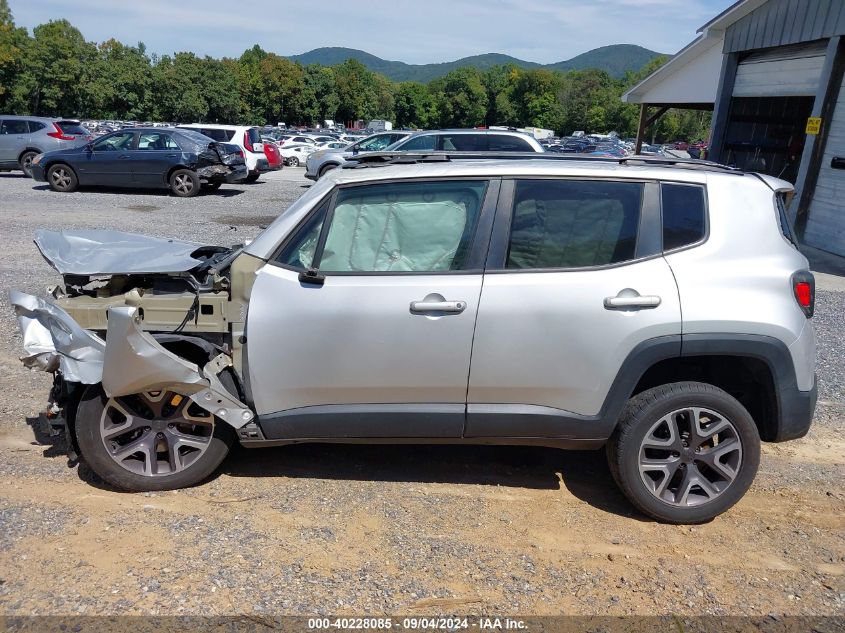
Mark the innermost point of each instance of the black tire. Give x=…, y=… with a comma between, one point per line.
x=62, y=178
x=184, y=183
x=93, y=451
x=26, y=162
x=293, y=161
x=643, y=416
x=327, y=168
x=252, y=178
x=211, y=186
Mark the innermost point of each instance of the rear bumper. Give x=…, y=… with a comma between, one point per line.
x=796, y=413
x=261, y=165
x=237, y=174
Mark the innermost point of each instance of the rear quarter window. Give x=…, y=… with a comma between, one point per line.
x=35, y=126
x=684, y=215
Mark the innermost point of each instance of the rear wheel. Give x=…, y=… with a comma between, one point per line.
x=293, y=161
x=252, y=178
x=684, y=452
x=62, y=178
x=26, y=163
x=158, y=440
x=184, y=183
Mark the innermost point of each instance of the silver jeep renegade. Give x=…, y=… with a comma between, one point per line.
x=657, y=308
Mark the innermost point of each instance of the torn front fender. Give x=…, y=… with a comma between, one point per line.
x=135, y=362
x=53, y=340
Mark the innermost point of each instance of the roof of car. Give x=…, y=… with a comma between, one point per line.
x=217, y=126
x=526, y=165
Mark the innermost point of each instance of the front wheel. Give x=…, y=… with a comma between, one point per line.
x=62, y=178
x=293, y=161
x=184, y=183
x=159, y=440
x=684, y=452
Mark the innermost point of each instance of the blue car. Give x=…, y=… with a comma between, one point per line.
x=183, y=161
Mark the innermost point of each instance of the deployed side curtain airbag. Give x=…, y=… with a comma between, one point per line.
x=415, y=227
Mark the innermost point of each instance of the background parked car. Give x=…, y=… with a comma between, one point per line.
x=182, y=160
x=322, y=161
x=271, y=151
x=295, y=155
x=468, y=141
x=24, y=137
x=246, y=137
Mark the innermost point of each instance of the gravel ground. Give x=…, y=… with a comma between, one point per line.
x=365, y=529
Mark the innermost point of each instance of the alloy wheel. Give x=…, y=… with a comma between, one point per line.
x=155, y=433
x=690, y=456
x=183, y=184
x=61, y=178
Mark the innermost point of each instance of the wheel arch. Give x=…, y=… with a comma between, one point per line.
x=756, y=370
x=28, y=149
x=175, y=168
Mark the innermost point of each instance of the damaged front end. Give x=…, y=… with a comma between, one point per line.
x=137, y=315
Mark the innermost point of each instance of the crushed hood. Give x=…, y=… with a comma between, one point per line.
x=96, y=252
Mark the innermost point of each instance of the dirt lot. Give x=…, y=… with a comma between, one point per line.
x=364, y=530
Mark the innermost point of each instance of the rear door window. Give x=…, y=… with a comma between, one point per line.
x=156, y=141
x=506, y=143
x=463, y=142
x=684, y=221
x=424, y=143
x=573, y=223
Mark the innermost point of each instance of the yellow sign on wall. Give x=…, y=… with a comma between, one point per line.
x=814, y=124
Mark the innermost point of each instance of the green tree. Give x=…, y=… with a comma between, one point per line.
x=461, y=98
x=13, y=41
x=117, y=81
x=51, y=78
x=357, y=92
x=499, y=83
x=414, y=106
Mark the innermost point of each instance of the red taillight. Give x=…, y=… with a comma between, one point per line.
x=803, y=294
x=247, y=142
x=804, y=289
x=60, y=135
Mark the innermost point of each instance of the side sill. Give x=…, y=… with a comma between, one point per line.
x=547, y=442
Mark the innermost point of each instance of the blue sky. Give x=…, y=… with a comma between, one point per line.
x=413, y=31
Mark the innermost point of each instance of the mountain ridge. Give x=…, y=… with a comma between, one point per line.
x=616, y=59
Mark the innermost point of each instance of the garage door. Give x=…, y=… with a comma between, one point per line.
x=789, y=71
x=825, y=227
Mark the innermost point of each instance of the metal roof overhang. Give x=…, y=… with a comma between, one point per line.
x=689, y=80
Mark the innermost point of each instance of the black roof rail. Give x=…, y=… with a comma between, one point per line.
x=383, y=159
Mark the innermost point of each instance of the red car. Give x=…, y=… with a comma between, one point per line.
x=273, y=156
x=682, y=146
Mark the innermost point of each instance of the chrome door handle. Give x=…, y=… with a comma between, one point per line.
x=453, y=307
x=639, y=301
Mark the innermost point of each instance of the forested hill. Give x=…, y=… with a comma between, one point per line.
x=616, y=60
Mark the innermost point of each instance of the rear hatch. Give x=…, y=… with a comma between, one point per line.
x=71, y=133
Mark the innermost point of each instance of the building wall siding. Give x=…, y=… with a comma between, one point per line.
x=782, y=22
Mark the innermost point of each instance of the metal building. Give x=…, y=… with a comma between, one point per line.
x=776, y=98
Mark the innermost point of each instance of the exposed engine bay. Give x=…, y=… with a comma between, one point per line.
x=139, y=314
